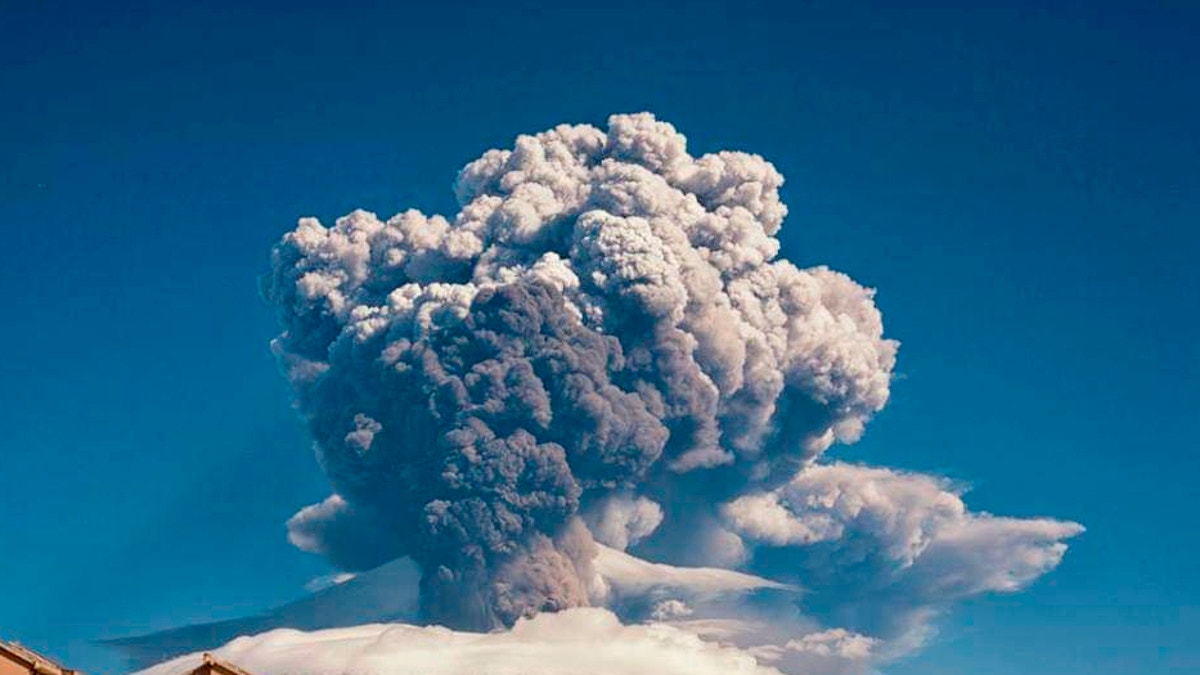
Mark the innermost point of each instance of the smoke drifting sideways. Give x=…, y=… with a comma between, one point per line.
x=602, y=345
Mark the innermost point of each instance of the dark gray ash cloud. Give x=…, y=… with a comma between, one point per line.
x=603, y=348
x=605, y=318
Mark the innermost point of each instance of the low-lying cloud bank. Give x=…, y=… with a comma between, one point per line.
x=598, y=385
x=582, y=641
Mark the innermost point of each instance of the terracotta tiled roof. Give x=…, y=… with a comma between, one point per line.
x=212, y=664
x=35, y=662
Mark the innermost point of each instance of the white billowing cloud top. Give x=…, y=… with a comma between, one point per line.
x=918, y=524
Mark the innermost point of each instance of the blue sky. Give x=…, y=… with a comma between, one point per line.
x=1020, y=184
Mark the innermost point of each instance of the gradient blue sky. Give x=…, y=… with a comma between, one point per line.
x=1021, y=184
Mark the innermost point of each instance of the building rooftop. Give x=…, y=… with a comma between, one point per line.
x=211, y=664
x=35, y=662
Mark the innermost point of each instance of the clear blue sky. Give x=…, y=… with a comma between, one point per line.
x=1021, y=184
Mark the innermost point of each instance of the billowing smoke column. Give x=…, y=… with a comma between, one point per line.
x=602, y=343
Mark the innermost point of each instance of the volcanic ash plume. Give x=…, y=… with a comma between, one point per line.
x=602, y=344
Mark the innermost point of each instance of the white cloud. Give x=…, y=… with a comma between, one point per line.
x=328, y=581
x=834, y=642
x=583, y=641
x=791, y=643
x=304, y=528
x=904, y=511
x=666, y=610
x=888, y=550
x=987, y=553
x=630, y=576
x=623, y=520
x=915, y=521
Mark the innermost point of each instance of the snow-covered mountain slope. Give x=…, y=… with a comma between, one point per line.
x=385, y=594
x=388, y=594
